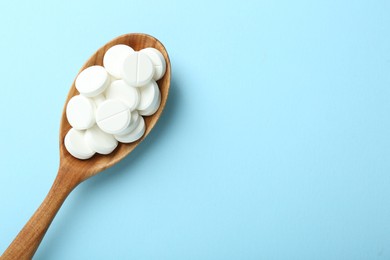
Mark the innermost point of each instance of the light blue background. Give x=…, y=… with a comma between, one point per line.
x=274, y=144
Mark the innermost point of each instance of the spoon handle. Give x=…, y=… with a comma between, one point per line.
x=27, y=241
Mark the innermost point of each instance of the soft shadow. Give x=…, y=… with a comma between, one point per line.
x=118, y=173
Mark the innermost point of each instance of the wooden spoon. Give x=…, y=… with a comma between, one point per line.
x=72, y=171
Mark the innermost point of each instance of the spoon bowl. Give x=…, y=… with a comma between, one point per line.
x=99, y=162
x=73, y=171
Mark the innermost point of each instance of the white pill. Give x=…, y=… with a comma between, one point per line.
x=76, y=145
x=149, y=95
x=138, y=69
x=153, y=107
x=135, y=118
x=80, y=112
x=134, y=135
x=113, y=116
x=158, y=62
x=100, y=141
x=129, y=95
x=92, y=81
x=114, y=58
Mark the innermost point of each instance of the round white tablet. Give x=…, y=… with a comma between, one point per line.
x=112, y=116
x=137, y=69
x=114, y=57
x=148, y=94
x=158, y=62
x=129, y=95
x=92, y=81
x=76, y=145
x=135, y=118
x=134, y=135
x=80, y=112
x=153, y=107
x=100, y=141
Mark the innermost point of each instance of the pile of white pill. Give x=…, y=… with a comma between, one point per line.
x=112, y=100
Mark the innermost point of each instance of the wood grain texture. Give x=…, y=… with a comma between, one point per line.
x=73, y=171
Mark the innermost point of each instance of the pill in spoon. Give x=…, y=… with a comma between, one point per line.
x=117, y=106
